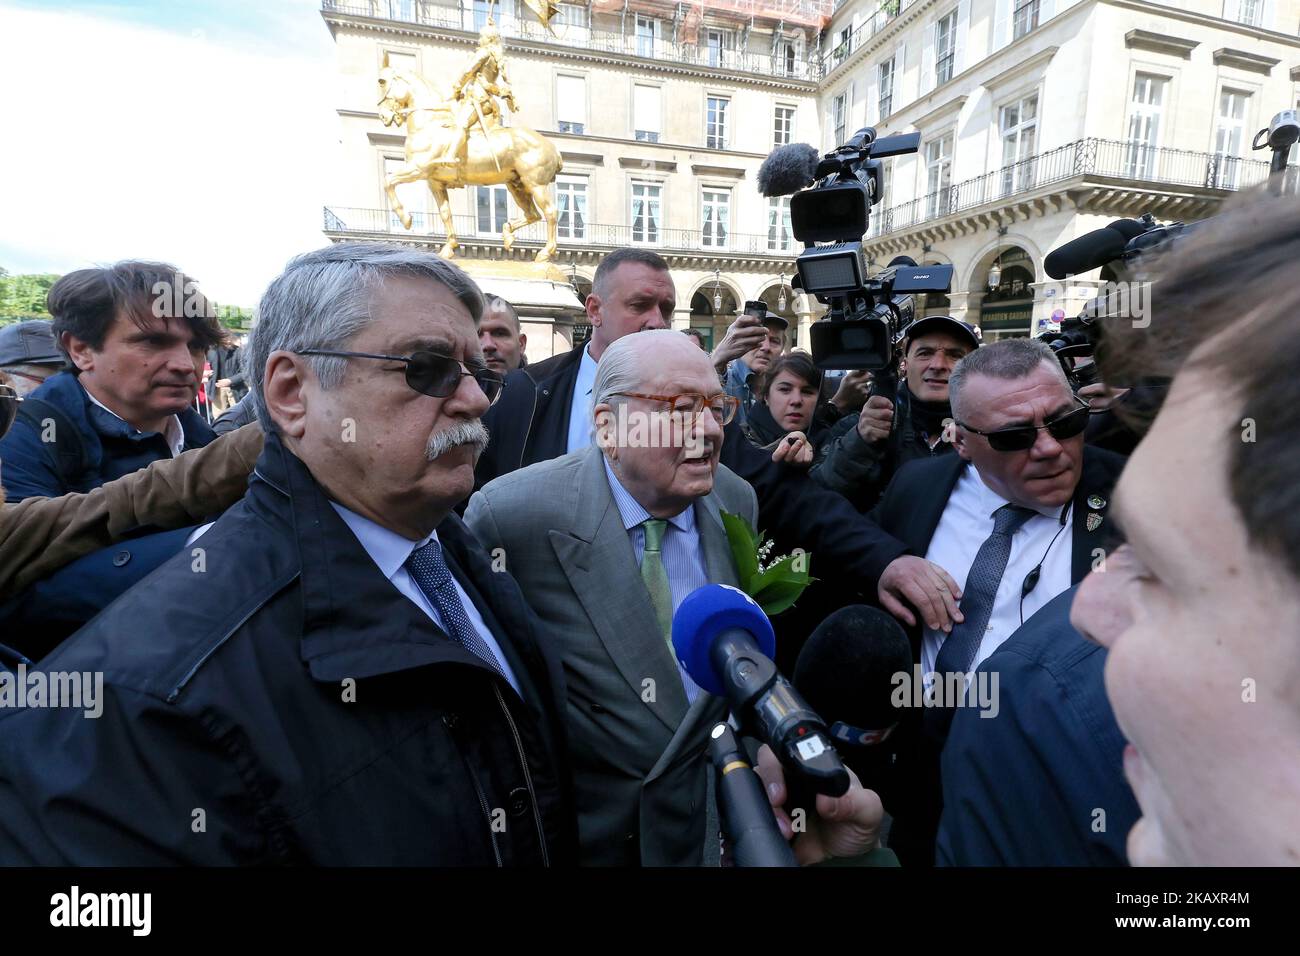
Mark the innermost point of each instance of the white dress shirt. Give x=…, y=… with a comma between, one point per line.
x=389, y=550
x=967, y=521
x=173, y=433
x=680, y=548
x=580, y=426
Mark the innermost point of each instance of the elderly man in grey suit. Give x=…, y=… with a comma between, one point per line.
x=606, y=543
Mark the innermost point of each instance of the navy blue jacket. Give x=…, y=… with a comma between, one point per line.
x=29, y=467
x=310, y=710
x=1024, y=788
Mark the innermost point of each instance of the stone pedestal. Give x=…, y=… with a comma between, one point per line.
x=542, y=295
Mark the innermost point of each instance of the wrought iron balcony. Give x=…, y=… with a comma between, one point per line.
x=445, y=17
x=426, y=225
x=1128, y=162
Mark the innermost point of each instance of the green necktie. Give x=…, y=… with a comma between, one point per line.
x=656, y=577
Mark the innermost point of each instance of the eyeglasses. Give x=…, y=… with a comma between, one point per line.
x=8, y=407
x=430, y=373
x=723, y=407
x=1022, y=437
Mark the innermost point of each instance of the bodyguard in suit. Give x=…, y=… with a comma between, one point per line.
x=1019, y=515
x=605, y=543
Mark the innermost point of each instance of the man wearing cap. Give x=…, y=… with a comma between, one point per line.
x=29, y=354
x=742, y=375
x=861, y=452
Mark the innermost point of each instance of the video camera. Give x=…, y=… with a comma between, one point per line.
x=866, y=314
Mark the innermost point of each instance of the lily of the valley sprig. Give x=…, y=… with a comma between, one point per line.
x=775, y=583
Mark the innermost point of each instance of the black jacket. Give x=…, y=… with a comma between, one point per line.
x=860, y=470
x=530, y=422
x=270, y=698
x=910, y=510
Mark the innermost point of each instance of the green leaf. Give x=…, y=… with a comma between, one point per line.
x=778, y=596
x=744, y=550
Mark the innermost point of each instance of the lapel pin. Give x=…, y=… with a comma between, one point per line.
x=1096, y=503
x=1093, y=521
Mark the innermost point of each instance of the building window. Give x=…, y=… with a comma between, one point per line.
x=646, y=201
x=1230, y=135
x=843, y=44
x=717, y=41
x=647, y=32
x=646, y=117
x=786, y=62
x=401, y=10
x=493, y=207
x=571, y=104
x=571, y=205
x=783, y=126
x=1025, y=17
x=780, y=237
x=881, y=214
x=938, y=171
x=886, y=75
x=839, y=112
x=573, y=17
x=1018, y=125
x=945, y=48
x=1250, y=12
x=716, y=223
x=1144, y=125
x=715, y=130
x=482, y=10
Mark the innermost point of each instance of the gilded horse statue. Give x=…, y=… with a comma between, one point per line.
x=458, y=140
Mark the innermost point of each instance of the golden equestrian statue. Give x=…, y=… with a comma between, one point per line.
x=459, y=140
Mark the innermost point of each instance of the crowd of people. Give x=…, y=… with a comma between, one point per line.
x=409, y=599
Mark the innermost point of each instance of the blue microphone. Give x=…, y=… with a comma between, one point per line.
x=725, y=642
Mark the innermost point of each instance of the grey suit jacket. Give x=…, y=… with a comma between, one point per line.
x=639, y=751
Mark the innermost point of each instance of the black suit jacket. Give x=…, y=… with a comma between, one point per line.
x=530, y=422
x=914, y=501
x=910, y=510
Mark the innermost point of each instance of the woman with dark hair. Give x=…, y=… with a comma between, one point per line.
x=787, y=401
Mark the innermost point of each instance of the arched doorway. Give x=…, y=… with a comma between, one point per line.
x=771, y=297
x=712, y=322
x=1006, y=310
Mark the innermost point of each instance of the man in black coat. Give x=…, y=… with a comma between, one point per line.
x=334, y=674
x=1020, y=454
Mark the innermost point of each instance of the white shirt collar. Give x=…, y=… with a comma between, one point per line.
x=388, y=549
x=991, y=501
x=173, y=431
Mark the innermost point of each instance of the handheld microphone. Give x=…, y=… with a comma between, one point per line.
x=788, y=169
x=747, y=817
x=1092, y=250
x=725, y=642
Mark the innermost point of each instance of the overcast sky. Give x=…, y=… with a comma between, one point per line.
x=197, y=132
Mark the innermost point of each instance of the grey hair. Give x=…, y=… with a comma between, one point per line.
x=322, y=300
x=619, y=370
x=1007, y=359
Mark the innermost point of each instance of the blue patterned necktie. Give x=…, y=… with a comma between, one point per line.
x=429, y=570
x=959, y=648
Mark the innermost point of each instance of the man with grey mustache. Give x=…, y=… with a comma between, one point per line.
x=332, y=674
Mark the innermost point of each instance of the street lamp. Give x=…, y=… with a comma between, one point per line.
x=717, y=291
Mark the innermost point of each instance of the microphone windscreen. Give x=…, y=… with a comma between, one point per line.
x=846, y=669
x=788, y=169
x=1088, y=252
x=1129, y=228
x=704, y=614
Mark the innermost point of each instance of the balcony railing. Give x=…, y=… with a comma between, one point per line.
x=881, y=18
x=586, y=38
x=428, y=225
x=1114, y=159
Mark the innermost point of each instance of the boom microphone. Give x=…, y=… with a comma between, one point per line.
x=788, y=169
x=1092, y=250
x=725, y=642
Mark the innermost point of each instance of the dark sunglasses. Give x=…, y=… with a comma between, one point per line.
x=430, y=373
x=8, y=407
x=1022, y=437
